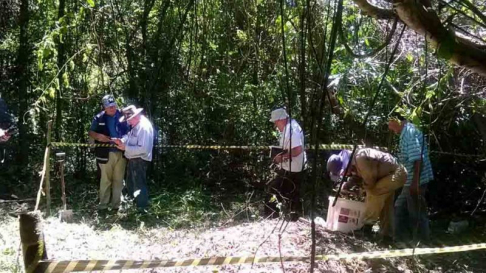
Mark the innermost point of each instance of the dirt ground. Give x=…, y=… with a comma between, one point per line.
x=113, y=239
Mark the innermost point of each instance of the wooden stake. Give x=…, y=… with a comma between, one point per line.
x=48, y=169
x=32, y=240
x=45, y=172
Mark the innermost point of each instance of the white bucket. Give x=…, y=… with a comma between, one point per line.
x=346, y=216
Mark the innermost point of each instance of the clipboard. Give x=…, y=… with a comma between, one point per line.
x=275, y=150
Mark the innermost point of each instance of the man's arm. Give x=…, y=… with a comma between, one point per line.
x=294, y=152
x=94, y=135
x=99, y=137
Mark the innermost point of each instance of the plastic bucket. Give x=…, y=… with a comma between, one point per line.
x=345, y=216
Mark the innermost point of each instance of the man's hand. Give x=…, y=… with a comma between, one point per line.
x=120, y=146
x=117, y=141
x=4, y=135
x=281, y=157
x=277, y=159
x=103, y=138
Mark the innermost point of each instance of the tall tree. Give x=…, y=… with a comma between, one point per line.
x=23, y=62
x=61, y=74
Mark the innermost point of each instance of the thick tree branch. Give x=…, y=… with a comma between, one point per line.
x=455, y=49
x=374, y=11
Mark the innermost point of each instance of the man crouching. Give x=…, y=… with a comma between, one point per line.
x=380, y=175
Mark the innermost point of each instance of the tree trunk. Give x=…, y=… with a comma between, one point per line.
x=23, y=80
x=302, y=75
x=60, y=63
x=132, y=89
x=32, y=239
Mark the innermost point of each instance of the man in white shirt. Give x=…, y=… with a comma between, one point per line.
x=290, y=167
x=138, y=145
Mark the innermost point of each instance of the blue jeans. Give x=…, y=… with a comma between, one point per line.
x=411, y=221
x=137, y=181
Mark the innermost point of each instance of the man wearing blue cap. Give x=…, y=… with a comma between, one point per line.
x=290, y=166
x=106, y=127
x=380, y=175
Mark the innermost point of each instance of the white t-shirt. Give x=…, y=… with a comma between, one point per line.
x=293, y=135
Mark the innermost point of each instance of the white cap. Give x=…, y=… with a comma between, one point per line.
x=278, y=114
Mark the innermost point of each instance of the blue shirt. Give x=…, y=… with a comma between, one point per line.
x=411, y=140
x=111, y=124
x=116, y=128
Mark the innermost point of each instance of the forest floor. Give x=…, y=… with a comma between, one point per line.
x=121, y=236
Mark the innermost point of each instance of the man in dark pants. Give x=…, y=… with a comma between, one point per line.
x=285, y=187
x=138, y=145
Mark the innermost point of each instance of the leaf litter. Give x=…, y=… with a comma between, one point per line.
x=85, y=240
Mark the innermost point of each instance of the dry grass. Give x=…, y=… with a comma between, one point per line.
x=88, y=239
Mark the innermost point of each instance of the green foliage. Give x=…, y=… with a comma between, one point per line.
x=209, y=72
x=182, y=209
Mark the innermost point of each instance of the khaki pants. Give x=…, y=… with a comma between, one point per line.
x=379, y=200
x=111, y=183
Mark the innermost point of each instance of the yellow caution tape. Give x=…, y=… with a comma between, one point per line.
x=218, y=147
x=251, y=147
x=50, y=266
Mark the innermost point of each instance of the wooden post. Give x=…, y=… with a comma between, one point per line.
x=32, y=240
x=48, y=168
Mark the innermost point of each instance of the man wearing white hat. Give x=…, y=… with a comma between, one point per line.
x=138, y=145
x=290, y=166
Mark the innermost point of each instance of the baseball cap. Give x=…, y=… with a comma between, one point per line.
x=108, y=101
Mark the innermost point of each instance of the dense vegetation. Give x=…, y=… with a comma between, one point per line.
x=209, y=72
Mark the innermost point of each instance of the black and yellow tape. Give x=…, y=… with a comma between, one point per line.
x=216, y=147
x=253, y=147
x=49, y=266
